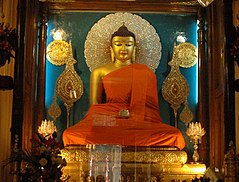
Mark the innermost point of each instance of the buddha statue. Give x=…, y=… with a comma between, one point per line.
x=129, y=115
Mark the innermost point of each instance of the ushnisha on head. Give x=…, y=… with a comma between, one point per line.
x=123, y=32
x=123, y=46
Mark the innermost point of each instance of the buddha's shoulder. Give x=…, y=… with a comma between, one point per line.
x=104, y=69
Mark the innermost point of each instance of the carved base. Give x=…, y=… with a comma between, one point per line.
x=129, y=164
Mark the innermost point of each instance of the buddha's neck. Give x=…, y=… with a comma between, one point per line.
x=119, y=63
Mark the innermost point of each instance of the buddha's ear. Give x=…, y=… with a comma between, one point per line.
x=112, y=55
x=134, y=54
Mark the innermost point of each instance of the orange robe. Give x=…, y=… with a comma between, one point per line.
x=132, y=87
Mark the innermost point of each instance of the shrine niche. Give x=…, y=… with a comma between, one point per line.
x=170, y=28
x=215, y=109
x=84, y=52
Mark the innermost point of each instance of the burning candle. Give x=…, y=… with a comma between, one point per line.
x=71, y=94
x=91, y=165
x=107, y=169
x=74, y=94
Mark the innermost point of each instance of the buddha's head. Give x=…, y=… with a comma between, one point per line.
x=123, y=45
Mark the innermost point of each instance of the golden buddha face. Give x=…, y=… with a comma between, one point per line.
x=123, y=48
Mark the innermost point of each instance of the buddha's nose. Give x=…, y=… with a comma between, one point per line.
x=123, y=47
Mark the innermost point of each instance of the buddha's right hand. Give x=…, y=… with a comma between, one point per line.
x=124, y=113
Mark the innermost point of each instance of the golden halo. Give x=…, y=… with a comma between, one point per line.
x=97, y=44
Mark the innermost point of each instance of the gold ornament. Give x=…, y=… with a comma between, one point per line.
x=97, y=45
x=195, y=132
x=69, y=86
x=186, y=115
x=175, y=88
x=57, y=52
x=128, y=155
x=47, y=128
x=54, y=110
x=186, y=53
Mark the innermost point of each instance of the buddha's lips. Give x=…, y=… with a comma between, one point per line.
x=123, y=52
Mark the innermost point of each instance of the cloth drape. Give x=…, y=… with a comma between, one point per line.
x=132, y=87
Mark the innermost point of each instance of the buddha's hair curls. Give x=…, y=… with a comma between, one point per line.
x=123, y=32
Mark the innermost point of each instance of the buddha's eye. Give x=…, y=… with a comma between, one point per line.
x=118, y=44
x=129, y=44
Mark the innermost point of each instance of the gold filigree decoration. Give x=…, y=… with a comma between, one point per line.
x=175, y=88
x=185, y=3
x=97, y=44
x=69, y=86
x=162, y=157
x=186, y=53
x=54, y=110
x=186, y=115
x=74, y=154
x=57, y=52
